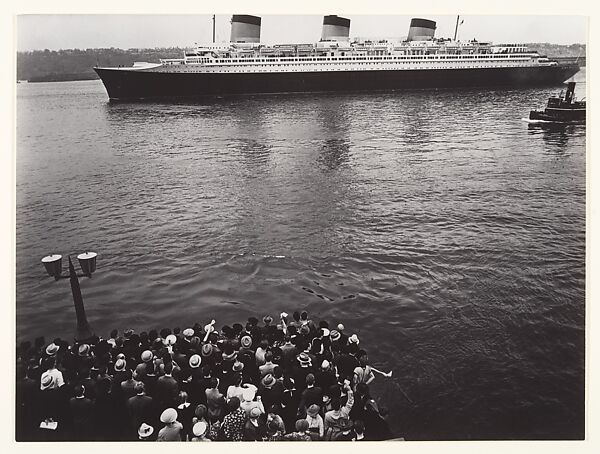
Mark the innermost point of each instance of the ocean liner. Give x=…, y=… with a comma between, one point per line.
x=333, y=64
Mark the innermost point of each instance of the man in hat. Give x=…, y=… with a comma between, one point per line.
x=141, y=407
x=253, y=430
x=145, y=432
x=52, y=376
x=145, y=366
x=233, y=423
x=269, y=329
x=325, y=376
x=246, y=344
x=303, y=368
x=172, y=429
x=271, y=391
x=185, y=343
x=316, y=427
x=311, y=395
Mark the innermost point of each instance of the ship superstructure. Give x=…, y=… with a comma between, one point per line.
x=337, y=63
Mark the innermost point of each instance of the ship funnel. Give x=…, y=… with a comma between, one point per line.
x=421, y=30
x=335, y=29
x=245, y=29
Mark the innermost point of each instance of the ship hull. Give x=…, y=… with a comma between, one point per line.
x=559, y=115
x=130, y=85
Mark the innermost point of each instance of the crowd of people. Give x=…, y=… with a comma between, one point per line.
x=293, y=379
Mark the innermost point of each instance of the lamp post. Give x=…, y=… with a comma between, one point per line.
x=87, y=262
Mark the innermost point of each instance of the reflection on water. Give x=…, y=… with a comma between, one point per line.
x=557, y=135
x=334, y=153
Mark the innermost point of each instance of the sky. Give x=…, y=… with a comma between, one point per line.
x=67, y=31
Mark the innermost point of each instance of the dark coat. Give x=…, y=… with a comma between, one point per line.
x=141, y=409
x=82, y=418
x=166, y=392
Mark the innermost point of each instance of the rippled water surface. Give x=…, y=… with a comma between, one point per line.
x=435, y=224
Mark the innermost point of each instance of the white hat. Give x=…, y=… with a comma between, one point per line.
x=52, y=349
x=188, y=332
x=170, y=339
x=199, y=428
x=145, y=430
x=195, y=361
x=168, y=416
x=120, y=365
x=325, y=364
x=47, y=381
x=340, y=327
x=354, y=339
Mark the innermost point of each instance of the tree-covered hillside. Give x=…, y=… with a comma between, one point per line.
x=76, y=64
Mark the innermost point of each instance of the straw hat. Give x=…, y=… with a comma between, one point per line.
x=145, y=430
x=120, y=365
x=335, y=335
x=246, y=341
x=47, y=381
x=146, y=356
x=195, y=361
x=188, y=333
x=199, y=428
x=268, y=381
x=168, y=416
x=207, y=350
x=254, y=413
x=354, y=339
x=52, y=349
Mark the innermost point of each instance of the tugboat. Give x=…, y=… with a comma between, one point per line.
x=561, y=109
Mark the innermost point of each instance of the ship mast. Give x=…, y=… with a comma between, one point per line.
x=214, y=20
x=456, y=28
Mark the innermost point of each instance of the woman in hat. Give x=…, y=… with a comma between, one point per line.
x=172, y=429
x=252, y=428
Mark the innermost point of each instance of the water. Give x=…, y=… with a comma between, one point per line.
x=435, y=224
